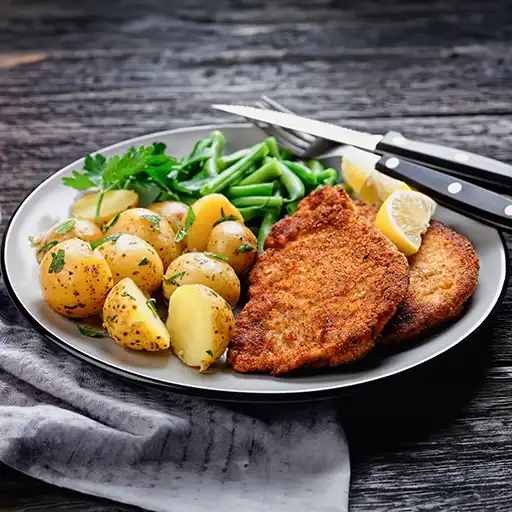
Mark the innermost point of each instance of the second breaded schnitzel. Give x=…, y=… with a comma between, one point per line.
x=326, y=285
x=444, y=274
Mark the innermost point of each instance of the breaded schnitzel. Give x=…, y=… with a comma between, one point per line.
x=326, y=285
x=444, y=274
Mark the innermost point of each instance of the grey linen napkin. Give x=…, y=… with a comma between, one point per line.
x=68, y=423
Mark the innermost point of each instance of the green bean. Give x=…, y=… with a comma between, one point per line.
x=236, y=171
x=327, y=174
x=331, y=181
x=228, y=160
x=268, y=171
x=292, y=183
x=291, y=208
x=303, y=172
x=285, y=153
x=271, y=217
x=259, y=189
x=273, y=148
x=217, y=144
x=251, y=212
x=315, y=165
x=261, y=201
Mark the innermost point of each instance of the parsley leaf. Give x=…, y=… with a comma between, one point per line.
x=143, y=261
x=79, y=181
x=216, y=256
x=106, y=227
x=84, y=330
x=109, y=238
x=173, y=279
x=47, y=246
x=67, y=226
x=245, y=247
x=182, y=232
x=225, y=218
x=210, y=353
x=57, y=262
x=150, y=303
x=155, y=219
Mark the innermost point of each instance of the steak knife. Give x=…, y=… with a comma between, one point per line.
x=454, y=193
x=476, y=168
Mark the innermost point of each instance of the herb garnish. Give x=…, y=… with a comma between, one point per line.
x=84, y=330
x=211, y=292
x=245, y=247
x=143, y=261
x=225, y=218
x=125, y=294
x=173, y=278
x=216, y=256
x=64, y=228
x=106, y=227
x=155, y=219
x=182, y=231
x=210, y=353
x=150, y=303
x=109, y=238
x=70, y=307
x=47, y=246
x=57, y=262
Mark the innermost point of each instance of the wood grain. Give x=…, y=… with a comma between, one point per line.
x=435, y=439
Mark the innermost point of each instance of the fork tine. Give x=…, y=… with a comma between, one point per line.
x=273, y=104
x=296, y=144
x=272, y=131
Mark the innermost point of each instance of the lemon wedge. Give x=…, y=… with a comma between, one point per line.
x=378, y=187
x=404, y=217
x=356, y=167
x=368, y=184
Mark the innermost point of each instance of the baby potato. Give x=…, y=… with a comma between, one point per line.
x=196, y=268
x=236, y=242
x=130, y=256
x=132, y=320
x=208, y=210
x=149, y=226
x=74, y=279
x=200, y=323
x=71, y=228
x=113, y=203
x=175, y=213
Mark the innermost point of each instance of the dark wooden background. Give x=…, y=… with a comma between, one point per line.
x=75, y=76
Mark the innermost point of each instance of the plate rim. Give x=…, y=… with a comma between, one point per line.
x=301, y=395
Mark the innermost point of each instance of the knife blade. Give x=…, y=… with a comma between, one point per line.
x=476, y=168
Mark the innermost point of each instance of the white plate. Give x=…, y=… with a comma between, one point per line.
x=50, y=202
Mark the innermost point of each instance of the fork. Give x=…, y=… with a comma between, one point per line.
x=303, y=145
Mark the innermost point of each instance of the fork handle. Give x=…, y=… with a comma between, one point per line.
x=459, y=195
x=480, y=169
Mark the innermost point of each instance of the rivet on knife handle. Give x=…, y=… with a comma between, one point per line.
x=459, y=195
x=453, y=161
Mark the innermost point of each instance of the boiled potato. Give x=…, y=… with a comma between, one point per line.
x=208, y=210
x=132, y=320
x=74, y=279
x=130, y=256
x=174, y=213
x=236, y=242
x=200, y=323
x=196, y=268
x=113, y=203
x=71, y=228
x=149, y=226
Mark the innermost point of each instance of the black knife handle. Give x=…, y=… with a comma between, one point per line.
x=475, y=168
x=459, y=195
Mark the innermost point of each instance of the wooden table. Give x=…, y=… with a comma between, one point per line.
x=75, y=76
